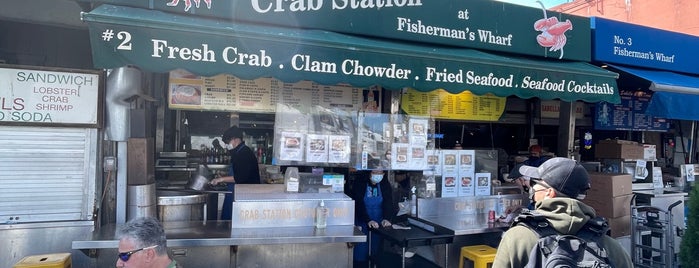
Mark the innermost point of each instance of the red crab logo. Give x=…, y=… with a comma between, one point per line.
x=552, y=32
x=188, y=4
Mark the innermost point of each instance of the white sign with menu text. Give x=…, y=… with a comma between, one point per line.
x=49, y=97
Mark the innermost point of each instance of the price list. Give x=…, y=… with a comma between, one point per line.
x=341, y=97
x=229, y=93
x=629, y=114
x=441, y=104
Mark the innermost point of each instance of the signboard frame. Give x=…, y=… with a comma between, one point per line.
x=98, y=99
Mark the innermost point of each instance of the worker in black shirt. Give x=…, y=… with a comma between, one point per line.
x=243, y=169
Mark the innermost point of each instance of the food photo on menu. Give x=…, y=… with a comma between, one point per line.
x=339, y=149
x=465, y=181
x=418, y=128
x=291, y=142
x=450, y=159
x=449, y=181
x=339, y=145
x=432, y=159
x=483, y=181
x=317, y=144
x=185, y=94
x=317, y=151
x=466, y=159
x=402, y=154
x=418, y=152
x=291, y=146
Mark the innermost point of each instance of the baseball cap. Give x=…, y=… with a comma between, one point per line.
x=563, y=174
x=230, y=133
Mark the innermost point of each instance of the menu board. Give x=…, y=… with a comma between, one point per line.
x=629, y=114
x=229, y=93
x=444, y=105
x=50, y=96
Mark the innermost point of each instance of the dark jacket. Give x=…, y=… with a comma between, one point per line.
x=567, y=216
x=244, y=164
x=358, y=192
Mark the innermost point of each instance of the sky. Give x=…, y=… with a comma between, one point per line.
x=532, y=3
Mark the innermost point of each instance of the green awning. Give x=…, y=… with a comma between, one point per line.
x=159, y=42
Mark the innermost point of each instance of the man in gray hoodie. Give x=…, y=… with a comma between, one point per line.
x=557, y=187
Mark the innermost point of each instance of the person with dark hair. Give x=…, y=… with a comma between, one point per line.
x=373, y=201
x=558, y=185
x=142, y=243
x=243, y=169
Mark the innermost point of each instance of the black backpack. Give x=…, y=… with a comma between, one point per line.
x=560, y=250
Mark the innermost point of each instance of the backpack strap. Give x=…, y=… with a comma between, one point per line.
x=536, y=222
x=593, y=231
x=597, y=226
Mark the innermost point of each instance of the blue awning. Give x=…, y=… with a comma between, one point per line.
x=674, y=105
x=676, y=95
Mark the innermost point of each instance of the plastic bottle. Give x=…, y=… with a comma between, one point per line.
x=291, y=180
x=321, y=215
x=500, y=206
x=413, y=202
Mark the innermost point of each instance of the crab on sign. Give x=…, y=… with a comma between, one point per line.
x=552, y=32
x=188, y=4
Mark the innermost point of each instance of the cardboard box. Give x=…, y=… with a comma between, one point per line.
x=608, y=185
x=617, y=149
x=620, y=226
x=55, y=260
x=614, y=207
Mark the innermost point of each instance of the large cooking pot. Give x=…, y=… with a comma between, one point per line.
x=200, y=180
x=181, y=206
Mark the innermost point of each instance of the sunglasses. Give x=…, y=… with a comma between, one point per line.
x=124, y=256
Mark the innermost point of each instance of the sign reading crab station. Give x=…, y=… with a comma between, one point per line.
x=488, y=25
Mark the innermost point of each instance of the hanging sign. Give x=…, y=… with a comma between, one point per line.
x=629, y=114
x=50, y=96
x=444, y=105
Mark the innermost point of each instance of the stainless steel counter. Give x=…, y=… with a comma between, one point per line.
x=220, y=233
x=469, y=214
x=467, y=225
x=217, y=244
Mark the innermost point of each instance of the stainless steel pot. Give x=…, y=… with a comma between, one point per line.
x=200, y=180
x=181, y=206
x=141, y=201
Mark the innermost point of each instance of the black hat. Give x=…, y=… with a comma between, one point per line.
x=230, y=133
x=563, y=174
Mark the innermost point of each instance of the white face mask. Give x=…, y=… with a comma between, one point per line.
x=376, y=178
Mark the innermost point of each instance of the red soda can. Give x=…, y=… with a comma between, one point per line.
x=491, y=216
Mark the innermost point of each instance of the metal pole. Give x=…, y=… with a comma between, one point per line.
x=692, y=138
x=121, y=182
